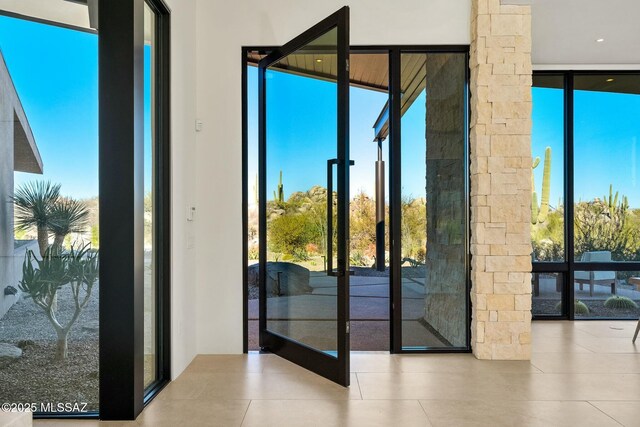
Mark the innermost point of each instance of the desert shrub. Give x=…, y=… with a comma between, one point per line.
x=254, y=252
x=289, y=234
x=358, y=259
x=619, y=302
x=607, y=225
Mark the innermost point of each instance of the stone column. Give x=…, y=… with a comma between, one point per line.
x=445, y=281
x=500, y=154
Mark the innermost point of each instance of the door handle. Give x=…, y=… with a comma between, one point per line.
x=330, y=271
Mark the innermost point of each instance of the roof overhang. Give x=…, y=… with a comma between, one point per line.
x=26, y=156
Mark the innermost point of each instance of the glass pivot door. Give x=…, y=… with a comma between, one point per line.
x=303, y=199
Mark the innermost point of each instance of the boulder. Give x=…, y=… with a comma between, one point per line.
x=283, y=279
x=8, y=354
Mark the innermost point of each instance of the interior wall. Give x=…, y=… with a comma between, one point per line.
x=183, y=150
x=222, y=28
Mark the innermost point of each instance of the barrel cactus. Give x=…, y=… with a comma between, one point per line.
x=618, y=302
x=578, y=307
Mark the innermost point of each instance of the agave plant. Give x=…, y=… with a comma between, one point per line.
x=34, y=202
x=67, y=216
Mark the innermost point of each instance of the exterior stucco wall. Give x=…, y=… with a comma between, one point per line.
x=7, y=102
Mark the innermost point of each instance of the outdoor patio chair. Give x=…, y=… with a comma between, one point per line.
x=593, y=278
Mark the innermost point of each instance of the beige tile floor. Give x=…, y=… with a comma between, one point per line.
x=581, y=374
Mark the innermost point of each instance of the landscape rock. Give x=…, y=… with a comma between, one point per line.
x=283, y=278
x=8, y=354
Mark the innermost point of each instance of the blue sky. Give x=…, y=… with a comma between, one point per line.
x=55, y=71
x=300, y=147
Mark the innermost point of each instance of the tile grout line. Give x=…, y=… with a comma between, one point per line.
x=425, y=413
x=359, y=388
x=598, y=409
x=245, y=412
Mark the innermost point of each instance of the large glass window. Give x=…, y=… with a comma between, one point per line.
x=606, y=167
x=547, y=145
x=433, y=220
x=150, y=196
x=603, y=217
x=49, y=227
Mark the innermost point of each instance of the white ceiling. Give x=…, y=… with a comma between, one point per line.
x=565, y=33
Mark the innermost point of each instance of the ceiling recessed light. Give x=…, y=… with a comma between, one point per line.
x=599, y=40
x=318, y=60
x=610, y=80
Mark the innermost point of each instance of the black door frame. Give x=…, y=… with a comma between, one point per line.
x=333, y=368
x=395, y=309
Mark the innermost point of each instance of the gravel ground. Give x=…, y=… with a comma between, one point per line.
x=596, y=309
x=36, y=377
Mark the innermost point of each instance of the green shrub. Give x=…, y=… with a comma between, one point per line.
x=618, y=302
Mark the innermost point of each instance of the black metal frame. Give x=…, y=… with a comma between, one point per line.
x=121, y=84
x=395, y=190
x=394, y=54
x=569, y=266
x=162, y=198
x=333, y=368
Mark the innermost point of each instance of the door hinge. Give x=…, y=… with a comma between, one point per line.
x=347, y=65
x=348, y=326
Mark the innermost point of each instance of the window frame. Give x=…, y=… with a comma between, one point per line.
x=569, y=266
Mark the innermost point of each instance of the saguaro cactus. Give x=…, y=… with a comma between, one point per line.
x=278, y=195
x=540, y=211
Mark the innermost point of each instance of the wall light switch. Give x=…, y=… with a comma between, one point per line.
x=191, y=212
x=198, y=125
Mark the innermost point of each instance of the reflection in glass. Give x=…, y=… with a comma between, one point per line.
x=434, y=291
x=301, y=130
x=49, y=226
x=547, y=146
x=606, y=157
x=607, y=294
x=150, y=267
x=547, y=294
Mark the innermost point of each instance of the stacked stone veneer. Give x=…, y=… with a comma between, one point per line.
x=500, y=154
x=445, y=281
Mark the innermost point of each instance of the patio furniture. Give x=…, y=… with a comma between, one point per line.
x=592, y=278
x=536, y=282
x=636, y=282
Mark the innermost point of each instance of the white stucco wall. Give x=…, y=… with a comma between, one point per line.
x=183, y=113
x=222, y=28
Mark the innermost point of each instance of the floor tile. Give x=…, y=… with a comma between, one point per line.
x=471, y=386
x=192, y=413
x=597, y=363
x=211, y=363
x=626, y=413
x=581, y=386
x=460, y=413
x=276, y=386
x=83, y=423
x=458, y=363
x=326, y=413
